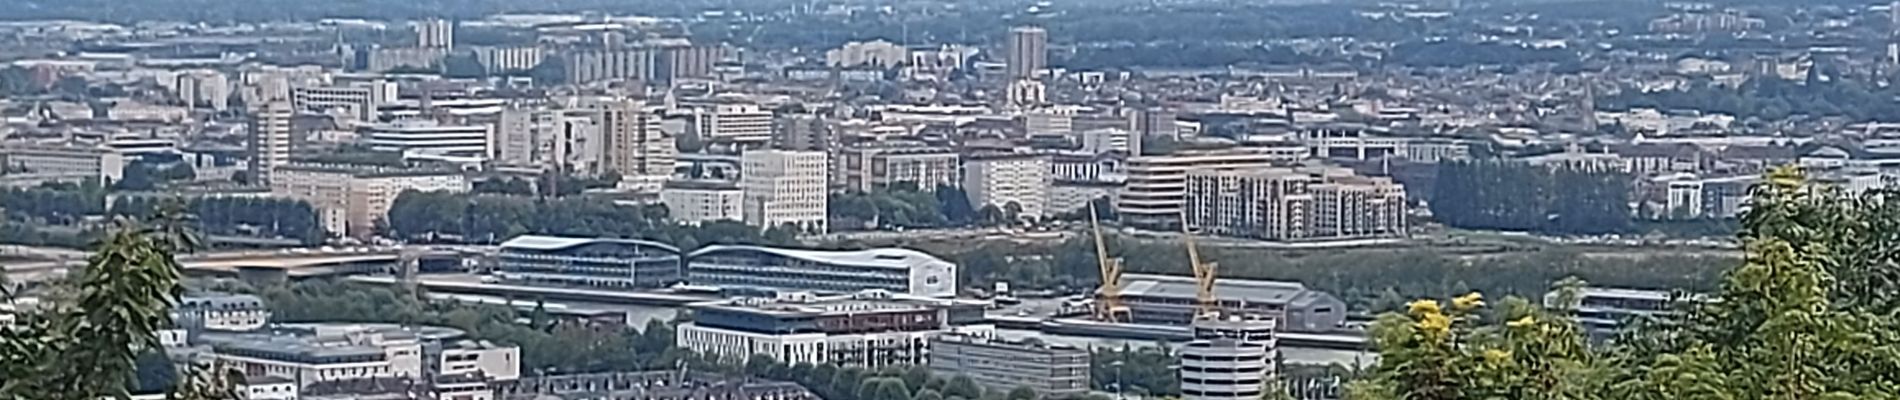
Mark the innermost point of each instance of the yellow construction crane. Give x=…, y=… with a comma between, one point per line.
x=1108, y=303
x=1204, y=273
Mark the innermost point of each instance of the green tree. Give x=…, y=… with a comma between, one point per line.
x=87, y=348
x=964, y=387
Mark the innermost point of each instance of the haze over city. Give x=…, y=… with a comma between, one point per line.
x=949, y=200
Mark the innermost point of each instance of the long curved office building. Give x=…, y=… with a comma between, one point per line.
x=599, y=262
x=895, y=270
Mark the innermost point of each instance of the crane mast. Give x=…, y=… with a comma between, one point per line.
x=1108, y=302
x=1204, y=301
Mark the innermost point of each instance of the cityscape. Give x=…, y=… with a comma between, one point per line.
x=949, y=199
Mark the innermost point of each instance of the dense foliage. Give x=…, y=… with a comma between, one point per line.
x=1367, y=279
x=1770, y=99
x=85, y=345
x=1510, y=196
x=1806, y=316
x=489, y=218
x=247, y=216
x=55, y=203
x=547, y=345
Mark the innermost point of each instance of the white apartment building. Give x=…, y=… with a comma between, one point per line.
x=734, y=123
x=1157, y=185
x=203, y=88
x=506, y=59
x=429, y=137
x=1294, y=204
x=435, y=34
x=349, y=201
x=784, y=187
x=876, y=53
x=590, y=66
x=1005, y=179
x=270, y=137
x=694, y=202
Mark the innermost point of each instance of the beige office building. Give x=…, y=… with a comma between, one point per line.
x=1005, y=179
x=350, y=200
x=784, y=187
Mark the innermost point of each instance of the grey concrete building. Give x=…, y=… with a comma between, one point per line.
x=1052, y=370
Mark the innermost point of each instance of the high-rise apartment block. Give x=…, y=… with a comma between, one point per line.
x=1010, y=182
x=269, y=143
x=203, y=88
x=785, y=187
x=1294, y=204
x=1027, y=51
x=526, y=136
x=634, y=145
x=435, y=34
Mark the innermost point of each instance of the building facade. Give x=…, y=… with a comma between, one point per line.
x=867, y=329
x=997, y=364
x=221, y=312
x=695, y=202
x=65, y=163
x=891, y=269
x=1026, y=51
x=269, y=143
x=1230, y=358
x=634, y=144
x=1156, y=188
x=350, y=200
x=874, y=167
x=1006, y=179
x=744, y=124
x=781, y=187
x=596, y=262
x=1292, y=204
x=429, y=137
